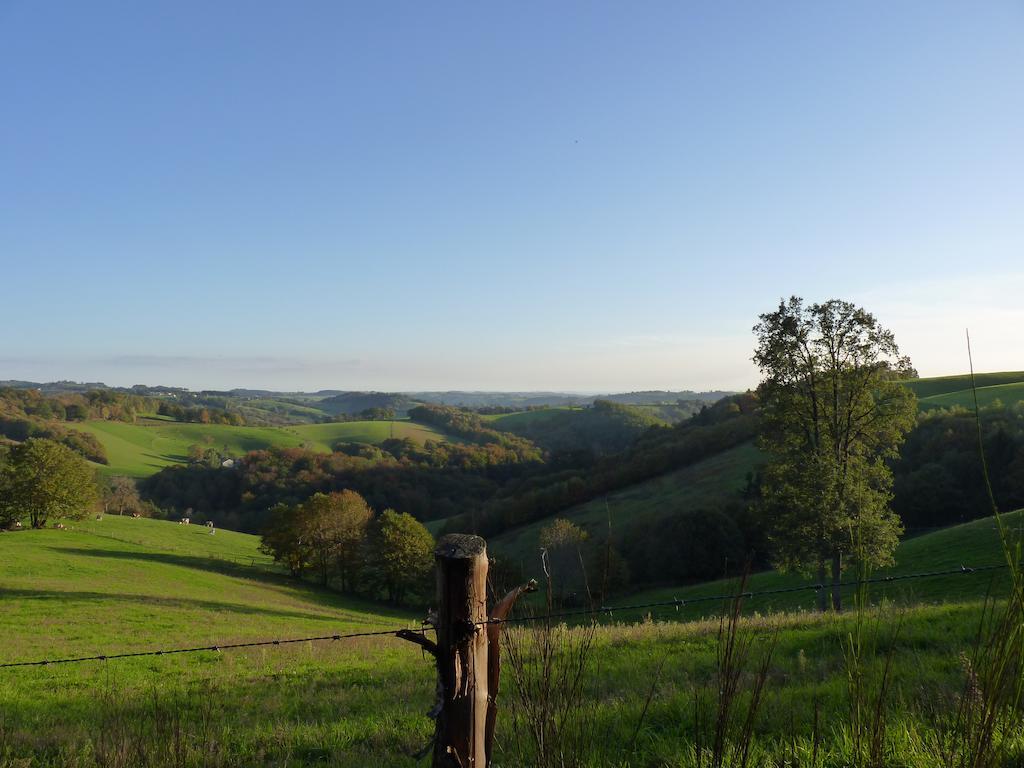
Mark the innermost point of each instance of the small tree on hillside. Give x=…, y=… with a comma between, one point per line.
x=560, y=542
x=833, y=413
x=120, y=494
x=401, y=555
x=285, y=538
x=43, y=480
x=335, y=526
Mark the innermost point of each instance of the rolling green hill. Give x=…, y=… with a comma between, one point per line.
x=141, y=583
x=1007, y=394
x=944, y=385
x=138, y=450
x=137, y=584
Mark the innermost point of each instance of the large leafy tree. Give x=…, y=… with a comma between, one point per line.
x=401, y=555
x=120, y=493
x=335, y=526
x=833, y=413
x=285, y=538
x=42, y=480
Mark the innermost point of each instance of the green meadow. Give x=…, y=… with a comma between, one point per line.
x=120, y=585
x=138, y=450
x=1006, y=387
x=1007, y=394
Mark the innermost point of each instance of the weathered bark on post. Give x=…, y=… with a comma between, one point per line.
x=467, y=653
x=460, y=735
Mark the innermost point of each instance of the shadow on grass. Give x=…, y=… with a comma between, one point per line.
x=330, y=599
x=197, y=562
x=65, y=596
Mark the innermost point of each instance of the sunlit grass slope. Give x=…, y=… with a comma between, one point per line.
x=1007, y=394
x=138, y=450
x=138, y=584
x=950, y=391
x=323, y=436
x=132, y=585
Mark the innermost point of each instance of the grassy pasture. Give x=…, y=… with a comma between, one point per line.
x=1008, y=394
x=511, y=421
x=138, y=450
x=122, y=584
x=943, y=385
x=325, y=435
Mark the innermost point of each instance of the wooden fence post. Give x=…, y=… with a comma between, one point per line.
x=466, y=651
x=461, y=652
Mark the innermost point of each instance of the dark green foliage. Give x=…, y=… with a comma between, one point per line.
x=429, y=481
x=199, y=415
x=833, y=414
x=602, y=428
x=724, y=425
x=44, y=480
x=399, y=558
x=685, y=546
x=938, y=475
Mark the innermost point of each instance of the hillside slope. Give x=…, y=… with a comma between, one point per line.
x=143, y=583
x=942, y=385
x=139, y=450
x=972, y=544
x=955, y=391
x=705, y=483
x=1007, y=394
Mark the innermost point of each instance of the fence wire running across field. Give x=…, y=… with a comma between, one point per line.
x=610, y=611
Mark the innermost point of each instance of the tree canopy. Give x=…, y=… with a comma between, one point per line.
x=833, y=414
x=42, y=479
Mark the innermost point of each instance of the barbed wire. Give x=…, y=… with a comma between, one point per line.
x=196, y=649
x=678, y=603
x=675, y=602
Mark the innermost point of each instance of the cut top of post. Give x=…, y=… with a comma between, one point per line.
x=460, y=546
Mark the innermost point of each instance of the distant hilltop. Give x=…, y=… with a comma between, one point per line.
x=340, y=401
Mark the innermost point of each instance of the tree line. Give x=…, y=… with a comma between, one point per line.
x=337, y=538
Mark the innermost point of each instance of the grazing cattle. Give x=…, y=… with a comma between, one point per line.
x=184, y=521
x=136, y=514
x=59, y=526
x=99, y=517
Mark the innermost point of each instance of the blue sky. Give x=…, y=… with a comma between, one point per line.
x=577, y=196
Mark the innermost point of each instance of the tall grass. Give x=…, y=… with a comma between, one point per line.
x=724, y=718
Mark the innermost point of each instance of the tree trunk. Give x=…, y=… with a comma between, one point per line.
x=837, y=574
x=822, y=604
